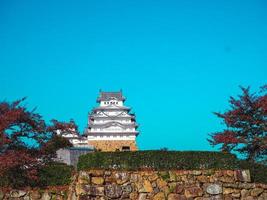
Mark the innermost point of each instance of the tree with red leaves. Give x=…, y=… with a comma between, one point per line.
x=246, y=126
x=27, y=142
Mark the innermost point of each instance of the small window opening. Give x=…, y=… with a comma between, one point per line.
x=125, y=148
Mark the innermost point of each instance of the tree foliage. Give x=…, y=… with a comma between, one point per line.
x=246, y=126
x=27, y=142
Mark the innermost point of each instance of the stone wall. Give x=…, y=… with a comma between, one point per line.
x=57, y=193
x=113, y=145
x=170, y=185
x=154, y=185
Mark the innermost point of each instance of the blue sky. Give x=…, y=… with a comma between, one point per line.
x=176, y=61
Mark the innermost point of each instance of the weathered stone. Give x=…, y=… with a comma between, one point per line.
x=196, y=172
x=26, y=197
x=227, y=197
x=96, y=172
x=214, y=189
x=133, y=195
x=35, y=195
x=153, y=177
x=247, y=185
x=73, y=196
x=166, y=190
x=17, y=193
x=249, y=198
x=127, y=188
x=135, y=177
x=230, y=172
x=46, y=196
x=246, y=176
x=92, y=190
x=244, y=193
x=256, y=192
x=156, y=190
x=203, y=179
x=176, y=197
x=236, y=195
x=85, y=197
x=216, y=197
x=213, y=197
x=213, y=179
x=140, y=186
x=161, y=183
x=228, y=190
x=107, y=173
x=172, y=176
x=110, y=179
x=147, y=186
x=159, y=196
x=97, y=180
x=125, y=196
x=121, y=177
x=230, y=185
x=154, y=184
x=113, y=191
x=263, y=196
x=142, y=196
x=227, y=179
x=179, y=188
x=193, y=192
x=242, y=175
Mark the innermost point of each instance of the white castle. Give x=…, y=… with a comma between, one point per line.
x=111, y=126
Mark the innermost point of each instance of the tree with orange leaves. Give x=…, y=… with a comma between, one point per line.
x=27, y=142
x=246, y=126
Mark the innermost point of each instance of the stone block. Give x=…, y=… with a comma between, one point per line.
x=97, y=180
x=159, y=196
x=242, y=175
x=113, y=191
x=176, y=197
x=256, y=192
x=17, y=193
x=193, y=192
x=121, y=177
x=214, y=189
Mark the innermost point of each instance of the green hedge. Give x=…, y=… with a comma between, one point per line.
x=158, y=160
x=54, y=174
x=166, y=160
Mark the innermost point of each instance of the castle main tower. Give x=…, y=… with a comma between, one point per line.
x=111, y=126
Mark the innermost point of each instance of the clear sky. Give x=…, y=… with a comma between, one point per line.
x=176, y=61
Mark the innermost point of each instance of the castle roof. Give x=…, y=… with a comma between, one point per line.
x=113, y=107
x=106, y=96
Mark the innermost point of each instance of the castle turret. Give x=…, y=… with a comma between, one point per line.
x=111, y=126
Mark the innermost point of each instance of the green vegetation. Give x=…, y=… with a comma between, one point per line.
x=52, y=174
x=158, y=160
x=55, y=174
x=167, y=160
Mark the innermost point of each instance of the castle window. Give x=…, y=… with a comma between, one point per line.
x=125, y=148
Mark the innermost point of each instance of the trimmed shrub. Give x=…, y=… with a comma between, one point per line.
x=52, y=174
x=55, y=174
x=167, y=160
x=158, y=160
